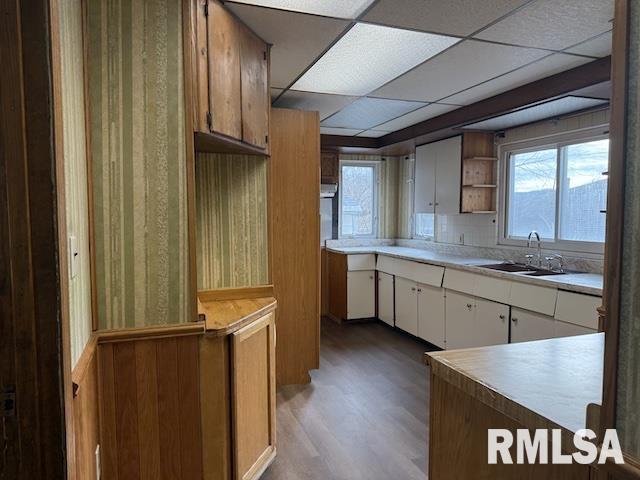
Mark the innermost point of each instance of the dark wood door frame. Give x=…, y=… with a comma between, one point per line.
x=31, y=303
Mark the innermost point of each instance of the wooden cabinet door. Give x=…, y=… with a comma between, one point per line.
x=254, y=89
x=491, y=324
x=253, y=397
x=448, y=168
x=425, y=178
x=385, y=298
x=431, y=323
x=460, y=315
x=361, y=294
x=329, y=167
x=224, y=41
x=406, y=294
x=527, y=326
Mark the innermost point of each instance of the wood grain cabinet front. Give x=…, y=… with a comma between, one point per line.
x=231, y=72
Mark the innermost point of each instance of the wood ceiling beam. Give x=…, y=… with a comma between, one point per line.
x=544, y=89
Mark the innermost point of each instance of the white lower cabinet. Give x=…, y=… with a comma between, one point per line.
x=474, y=322
x=406, y=294
x=527, y=326
x=431, y=321
x=386, y=298
x=361, y=294
x=564, y=329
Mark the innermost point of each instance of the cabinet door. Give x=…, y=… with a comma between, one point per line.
x=385, y=298
x=255, y=89
x=224, y=38
x=564, y=329
x=491, y=325
x=253, y=397
x=448, y=167
x=425, y=178
x=527, y=326
x=406, y=295
x=459, y=311
x=431, y=326
x=361, y=294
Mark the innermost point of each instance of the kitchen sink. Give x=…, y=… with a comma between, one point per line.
x=543, y=273
x=510, y=267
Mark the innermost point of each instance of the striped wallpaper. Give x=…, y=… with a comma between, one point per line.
x=75, y=170
x=405, y=195
x=138, y=155
x=232, y=229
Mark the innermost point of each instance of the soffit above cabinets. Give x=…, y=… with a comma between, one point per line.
x=552, y=24
x=321, y=102
x=366, y=113
x=296, y=39
x=535, y=113
x=545, y=67
x=460, y=67
x=461, y=17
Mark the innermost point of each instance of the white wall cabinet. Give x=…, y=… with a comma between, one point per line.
x=474, y=322
x=437, y=176
x=406, y=294
x=431, y=319
x=361, y=294
x=386, y=298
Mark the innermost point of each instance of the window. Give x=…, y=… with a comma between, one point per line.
x=559, y=191
x=358, y=199
x=424, y=225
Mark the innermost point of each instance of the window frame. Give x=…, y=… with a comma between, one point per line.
x=376, y=191
x=557, y=142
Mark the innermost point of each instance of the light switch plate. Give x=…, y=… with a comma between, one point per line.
x=73, y=256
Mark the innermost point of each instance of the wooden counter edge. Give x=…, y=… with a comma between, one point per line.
x=241, y=321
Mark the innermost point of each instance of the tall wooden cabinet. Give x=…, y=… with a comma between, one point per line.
x=231, y=72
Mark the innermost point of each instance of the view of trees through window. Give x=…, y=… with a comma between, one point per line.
x=357, y=195
x=559, y=192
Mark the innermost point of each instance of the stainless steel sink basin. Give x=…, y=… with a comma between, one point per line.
x=510, y=267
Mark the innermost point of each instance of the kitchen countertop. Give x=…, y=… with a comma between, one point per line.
x=588, y=283
x=541, y=384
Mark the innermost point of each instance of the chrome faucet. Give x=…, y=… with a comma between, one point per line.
x=531, y=234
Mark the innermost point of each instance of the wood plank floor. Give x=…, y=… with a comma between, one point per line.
x=364, y=415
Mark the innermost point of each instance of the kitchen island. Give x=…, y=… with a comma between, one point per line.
x=546, y=384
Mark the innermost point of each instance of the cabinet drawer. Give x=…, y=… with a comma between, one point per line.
x=483, y=286
x=365, y=261
x=418, y=272
x=460, y=281
x=578, y=309
x=534, y=298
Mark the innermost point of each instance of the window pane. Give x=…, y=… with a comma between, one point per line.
x=424, y=224
x=532, y=193
x=357, y=213
x=584, y=191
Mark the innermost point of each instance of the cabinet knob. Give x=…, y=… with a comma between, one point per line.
x=431, y=204
x=370, y=277
x=469, y=306
x=413, y=289
x=514, y=320
x=501, y=317
x=419, y=290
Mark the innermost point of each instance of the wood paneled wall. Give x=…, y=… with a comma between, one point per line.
x=139, y=161
x=295, y=229
x=232, y=222
x=150, y=408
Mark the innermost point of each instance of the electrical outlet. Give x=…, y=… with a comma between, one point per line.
x=98, y=472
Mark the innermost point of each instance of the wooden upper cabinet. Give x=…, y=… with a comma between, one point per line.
x=231, y=71
x=329, y=167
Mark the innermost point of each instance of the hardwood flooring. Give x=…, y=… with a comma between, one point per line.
x=364, y=415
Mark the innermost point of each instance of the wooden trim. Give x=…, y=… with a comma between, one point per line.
x=235, y=293
x=615, y=216
x=145, y=333
x=84, y=362
x=547, y=88
x=244, y=312
x=219, y=143
x=189, y=80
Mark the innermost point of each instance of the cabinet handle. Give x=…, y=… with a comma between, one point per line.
x=469, y=306
x=413, y=289
x=437, y=203
x=370, y=277
x=419, y=290
x=430, y=204
x=501, y=317
x=514, y=320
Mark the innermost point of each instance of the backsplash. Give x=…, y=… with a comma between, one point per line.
x=477, y=230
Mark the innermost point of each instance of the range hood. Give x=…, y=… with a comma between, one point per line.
x=328, y=190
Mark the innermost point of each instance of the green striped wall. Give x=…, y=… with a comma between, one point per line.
x=232, y=230
x=138, y=155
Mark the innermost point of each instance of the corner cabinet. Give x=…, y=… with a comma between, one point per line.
x=231, y=73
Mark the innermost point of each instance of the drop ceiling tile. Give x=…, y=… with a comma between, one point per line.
x=372, y=133
x=328, y=8
x=554, y=108
x=321, y=102
x=545, y=67
x=297, y=39
x=347, y=132
x=417, y=116
x=460, y=67
x=461, y=17
x=368, y=56
x=369, y=112
x=553, y=24
x=596, y=47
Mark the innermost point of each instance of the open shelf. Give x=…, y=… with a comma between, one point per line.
x=479, y=174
